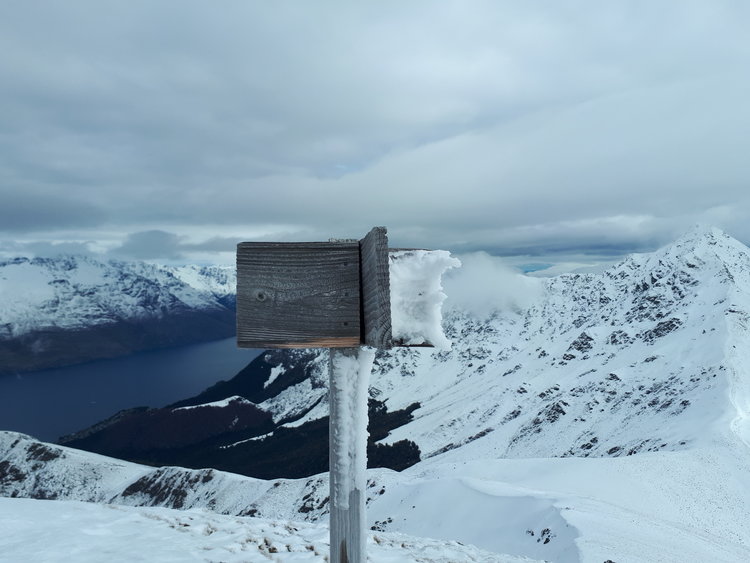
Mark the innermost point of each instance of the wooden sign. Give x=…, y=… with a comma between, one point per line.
x=314, y=294
x=375, y=301
x=333, y=295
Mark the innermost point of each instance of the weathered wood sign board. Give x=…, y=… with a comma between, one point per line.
x=326, y=295
x=314, y=294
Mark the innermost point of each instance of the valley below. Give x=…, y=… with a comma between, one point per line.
x=51, y=403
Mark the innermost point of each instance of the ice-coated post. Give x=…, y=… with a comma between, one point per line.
x=349, y=380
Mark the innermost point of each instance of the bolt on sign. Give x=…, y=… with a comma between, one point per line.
x=338, y=295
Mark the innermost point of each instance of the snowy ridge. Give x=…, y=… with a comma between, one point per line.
x=639, y=358
x=218, y=404
x=33, y=470
x=220, y=281
x=72, y=309
x=74, y=292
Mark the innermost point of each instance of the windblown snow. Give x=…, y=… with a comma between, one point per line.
x=608, y=419
x=417, y=296
x=349, y=441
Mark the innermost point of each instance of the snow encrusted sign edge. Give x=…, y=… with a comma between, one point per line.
x=340, y=294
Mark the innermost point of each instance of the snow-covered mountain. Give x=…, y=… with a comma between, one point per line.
x=647, y=356
x=56, y=311
x=609, y=420
x=219, y=281
x=651, y=355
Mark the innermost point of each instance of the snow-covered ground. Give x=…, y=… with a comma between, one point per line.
x=653, y=507
x=56, y=531
x=687, y=506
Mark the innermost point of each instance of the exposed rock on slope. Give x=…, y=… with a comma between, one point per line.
x=234, y=434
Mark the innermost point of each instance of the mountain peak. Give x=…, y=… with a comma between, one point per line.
x=708, y=244
x=704, y=234
x=700, y=247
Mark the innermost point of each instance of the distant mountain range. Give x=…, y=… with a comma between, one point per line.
x=608, y=420
x=631, y=360
x=72, y=309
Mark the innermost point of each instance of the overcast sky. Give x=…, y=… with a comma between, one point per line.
x=540, y=131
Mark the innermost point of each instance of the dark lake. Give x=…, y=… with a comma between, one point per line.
x=48, y=404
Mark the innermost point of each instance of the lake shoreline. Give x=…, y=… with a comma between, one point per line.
x=49, y=403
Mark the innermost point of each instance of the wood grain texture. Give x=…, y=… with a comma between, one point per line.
x=376, y=289
x=298, y=295
x=347, y=531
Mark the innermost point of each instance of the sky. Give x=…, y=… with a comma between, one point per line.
x=565, y=133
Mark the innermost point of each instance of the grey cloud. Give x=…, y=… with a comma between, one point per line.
x=213, y=244
x=45, y=248
x=147, y=245
x=157, y=244
x=489, y=125
x=23, y=209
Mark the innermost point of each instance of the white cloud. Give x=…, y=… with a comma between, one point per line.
x=485, y=283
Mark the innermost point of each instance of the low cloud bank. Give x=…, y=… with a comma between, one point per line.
x=485, y=284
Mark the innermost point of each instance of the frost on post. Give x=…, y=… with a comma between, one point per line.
x=349, y=380
x=417, y=296
x=349, y=403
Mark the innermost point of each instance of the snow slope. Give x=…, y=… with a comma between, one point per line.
x=63, y=477
x=91, y=533
x=663, y=506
